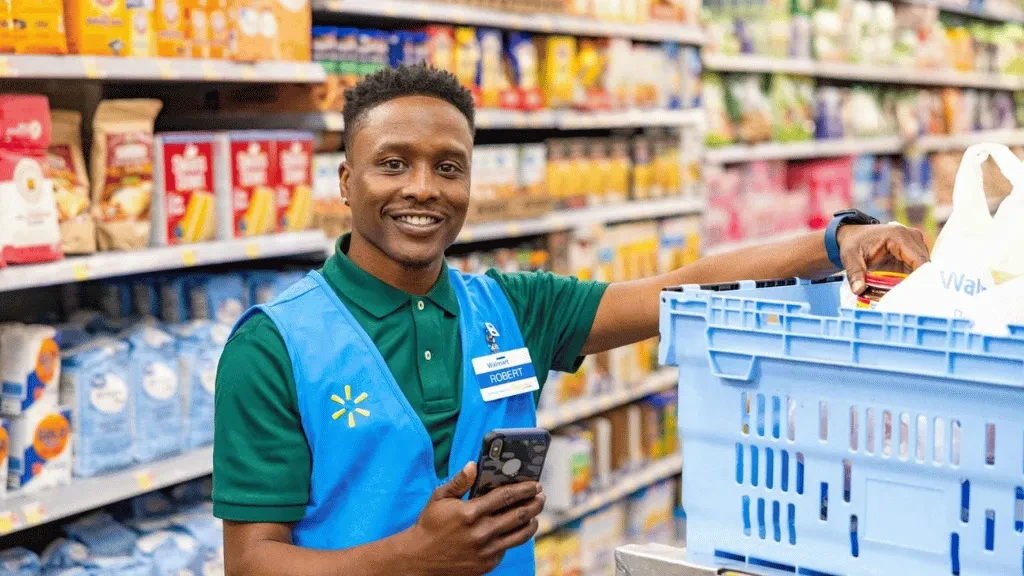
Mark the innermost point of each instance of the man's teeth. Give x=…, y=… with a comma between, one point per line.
x=418, y=220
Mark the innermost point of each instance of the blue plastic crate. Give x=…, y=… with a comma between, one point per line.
x=823, y=441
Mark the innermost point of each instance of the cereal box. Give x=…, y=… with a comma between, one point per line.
x=38, y=26
x=256, y=34
x=170, y=29
x=294, y=18
x=198, y=34
x=184, y=208
x=97, y=27
x=294, y=196
x=220, y=29
x=141, y=36
x=246, y=167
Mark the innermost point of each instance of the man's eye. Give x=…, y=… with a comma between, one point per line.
x=394, y=164
x=448, y=168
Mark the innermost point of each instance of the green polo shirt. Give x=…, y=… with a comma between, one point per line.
x=261, y=460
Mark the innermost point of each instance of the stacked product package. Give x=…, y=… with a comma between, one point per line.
x=163, y=533
x=129, y=379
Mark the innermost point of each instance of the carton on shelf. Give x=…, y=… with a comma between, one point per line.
x=294, y=19
x=246, y=168
x=184, y=206
x=97, y=27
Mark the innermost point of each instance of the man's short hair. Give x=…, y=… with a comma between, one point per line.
x=391, y=83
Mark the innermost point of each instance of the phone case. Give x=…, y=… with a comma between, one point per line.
x=522, y=458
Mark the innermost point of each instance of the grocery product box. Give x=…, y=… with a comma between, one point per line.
x=29, y=367
x=37, y=26
x=198, y=33
x=246, y=167
x=256, y=31
x=98, y=27
x=29, y=230
x=184, y=206
x=220, y=28
x=141, y=23
x=40, y=450
x=294, y=18
x=294, y=197
x=170, y=29
x=567, y=470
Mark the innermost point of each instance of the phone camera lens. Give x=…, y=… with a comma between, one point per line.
x=496, y=449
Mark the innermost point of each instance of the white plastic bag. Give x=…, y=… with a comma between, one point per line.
x=974, y=253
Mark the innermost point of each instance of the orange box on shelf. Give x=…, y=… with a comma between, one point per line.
x=294, y=20
x=256, y=33
x=170, y=29
x=6, y=32
x=38, y=26
x=220, y=29
x=196, y=15
x=97, y=27
x=141, y=37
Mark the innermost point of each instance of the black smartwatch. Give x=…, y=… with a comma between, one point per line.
x=839, y=219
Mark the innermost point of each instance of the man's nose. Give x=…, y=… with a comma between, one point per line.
x=422, y=185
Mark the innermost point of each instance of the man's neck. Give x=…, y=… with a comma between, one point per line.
x=416, y=281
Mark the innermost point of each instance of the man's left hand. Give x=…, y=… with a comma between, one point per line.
x=880, y=247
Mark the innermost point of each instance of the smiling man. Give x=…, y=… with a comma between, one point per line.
x=348, y=411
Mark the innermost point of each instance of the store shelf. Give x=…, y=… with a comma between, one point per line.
x=625, y=119
x=110, y=264
x=568, y=219
x=660, y=381
x=804, y=150
x=861, y=72
x=962, y=141
x=731, y=246
x=986, y=14
x=84, y=494
x=622, y=487
x=157, y=69
x=548, y=23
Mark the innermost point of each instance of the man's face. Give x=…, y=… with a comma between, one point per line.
x=406, y=176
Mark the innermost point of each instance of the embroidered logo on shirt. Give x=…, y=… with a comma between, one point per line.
x=351, y=413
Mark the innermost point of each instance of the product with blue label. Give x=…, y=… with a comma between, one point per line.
x=19, y=562
x=194, y=492
x=119, y=566
x=265, y=285
x=174, y=298
x=199, y=523
x=217, y=297
x=200, y=344
x=94, y=383
x=153, y=380
x=29, y=367
x=171, y=553
x=40, y=450
x=63, y=553
x=145, y=296
x=103, y=535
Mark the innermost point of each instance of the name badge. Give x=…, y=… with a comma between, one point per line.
x=505, y=374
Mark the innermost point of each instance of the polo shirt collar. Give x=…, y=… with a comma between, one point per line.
x=375, y=296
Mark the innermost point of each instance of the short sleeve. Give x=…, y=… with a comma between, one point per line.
x=555, y=315
x=261, y=460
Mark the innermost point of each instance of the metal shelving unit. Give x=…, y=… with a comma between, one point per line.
x=661, y=381
x=84, y=494
x=115, y=68
x=548, y=23
x=111, y=264
x=804, y=150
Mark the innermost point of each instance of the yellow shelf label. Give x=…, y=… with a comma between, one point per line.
x=252, y=250
x=91, y=68
x=146, y=480
x=166, y=69
x=466, y=236
x=514, y=229
x=301, y=73
x=188, y=257
x=8, y=522
x=35, y=513
x=80, y=272
x=210, y=71
x=424, y=12
x=6, y=70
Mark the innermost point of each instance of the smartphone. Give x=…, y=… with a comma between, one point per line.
x=508, y=456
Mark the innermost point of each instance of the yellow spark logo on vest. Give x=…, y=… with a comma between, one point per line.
x=351, y=413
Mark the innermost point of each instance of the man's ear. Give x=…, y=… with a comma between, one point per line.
x=343, y=173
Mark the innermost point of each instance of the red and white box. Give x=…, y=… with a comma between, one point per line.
x=184, y=206
x=29, y=229
x=246, y=184
x=294, y=198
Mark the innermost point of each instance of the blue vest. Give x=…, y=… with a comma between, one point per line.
x=373, y=461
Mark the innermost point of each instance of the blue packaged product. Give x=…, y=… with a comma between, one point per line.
x=218, y=297
x=113, y=298
x=373, y=51
x=119, y=566
x=19, y=562
x=200, y=344
x=147, y=526
x=407, y=48
x=199, y=523
x=153, y=381
x=170, y=553
x=174, y=300
x=103, y=535
x=324, y=47
x=194, y=492
x=63, y=553
x=152, y=505
x=265, y=285
x=692, y=70
x=94, y=383
x=674, y=81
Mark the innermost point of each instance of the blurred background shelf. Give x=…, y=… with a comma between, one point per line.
x=157, y=69
x=660, y=381
x=804, y=150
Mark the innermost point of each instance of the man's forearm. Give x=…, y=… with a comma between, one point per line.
x=274, y=558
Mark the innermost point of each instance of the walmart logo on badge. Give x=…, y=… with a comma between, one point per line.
x=344, y=402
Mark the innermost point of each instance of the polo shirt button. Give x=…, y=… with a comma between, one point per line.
x=419, y=306
x=427, y=355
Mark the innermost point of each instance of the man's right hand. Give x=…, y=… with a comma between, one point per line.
x=469, y=538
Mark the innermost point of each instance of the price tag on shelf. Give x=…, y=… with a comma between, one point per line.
x=167, y=71
x=390, y=10
x=514, y=229
x=519, y=119
x=35, y=513
x=424, y=12
x=301, y=73
x=605, y=402
x=80, y=272
x=517, y=22
x=545, y=24
x=91, y=68
x=6, y=70
x=466, y=236
x=252, y=250
x=248, y=72
x=8, y=523
x=188, y=257
x=146, y=480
